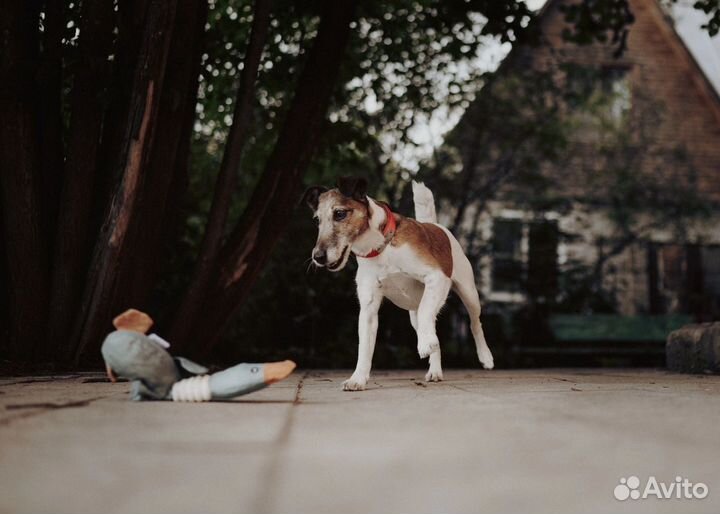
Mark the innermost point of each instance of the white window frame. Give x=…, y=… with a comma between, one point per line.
x=525, y=217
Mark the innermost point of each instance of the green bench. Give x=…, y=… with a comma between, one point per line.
x=640, y=338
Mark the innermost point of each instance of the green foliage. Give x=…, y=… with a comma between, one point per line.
x=593, y=20
x=530, y=126
x=512, y=129
x=711, y=8
x=589, y=21
x=406, y=59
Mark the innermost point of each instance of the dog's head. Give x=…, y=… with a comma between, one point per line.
x=342, y=215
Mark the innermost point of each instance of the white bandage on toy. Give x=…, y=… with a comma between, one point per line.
x=193, y=389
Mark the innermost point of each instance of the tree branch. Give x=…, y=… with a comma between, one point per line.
x=226, y=181
x=275, y=197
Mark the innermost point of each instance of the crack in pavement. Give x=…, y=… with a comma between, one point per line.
x=54, y=378
x=48, y=405
x=263, y=500
x=36, y=409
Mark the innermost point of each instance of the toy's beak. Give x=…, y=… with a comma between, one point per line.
x=277, y=371
x=110, y=373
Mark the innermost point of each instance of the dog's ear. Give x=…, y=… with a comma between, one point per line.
x=353, y=187
x=311, y=196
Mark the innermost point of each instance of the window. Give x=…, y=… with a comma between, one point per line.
x=684, y=278
x=672, y=267
x=525, y=257
x=542, y=269
x=616, y=88
x=596, y=95
x=711, y=270
x=507, y=259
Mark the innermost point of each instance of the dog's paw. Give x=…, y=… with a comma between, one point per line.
x=434, y=376
x=427, y=344
x=354, y=384
x=486, y=359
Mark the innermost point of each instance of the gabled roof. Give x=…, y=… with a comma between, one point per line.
x=699, y=78
x=676, y=36
x=662, y=64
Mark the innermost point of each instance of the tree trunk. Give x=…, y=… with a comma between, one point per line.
x=130, y=18
x=20, y=181
x=50, y=115
x=5, y=349
x=73, y=241
x=232, y=155
x=114, y=248
x=469, y=170
x=155, y=199
x=168, y=161
x=276, y=196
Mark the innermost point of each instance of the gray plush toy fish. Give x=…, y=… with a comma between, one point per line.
x=156, y=375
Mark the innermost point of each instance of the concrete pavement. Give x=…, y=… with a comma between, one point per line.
x=550, y=441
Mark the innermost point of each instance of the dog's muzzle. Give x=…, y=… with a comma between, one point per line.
x=320, y=260
x=319, y=257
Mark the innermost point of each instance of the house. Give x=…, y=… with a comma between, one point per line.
x=629, y=221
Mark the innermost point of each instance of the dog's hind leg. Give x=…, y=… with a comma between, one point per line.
x=464, y=286
x=435, y=373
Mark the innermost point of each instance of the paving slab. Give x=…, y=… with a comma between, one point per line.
x=502, y=441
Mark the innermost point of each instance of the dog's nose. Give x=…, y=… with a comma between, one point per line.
x=320, y=257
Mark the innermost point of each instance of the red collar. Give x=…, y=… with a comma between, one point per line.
x=388, y=231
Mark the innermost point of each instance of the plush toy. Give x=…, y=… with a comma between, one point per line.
x=156, y=375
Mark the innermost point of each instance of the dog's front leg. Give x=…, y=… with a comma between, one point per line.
x=437, y=287
x=370, y=297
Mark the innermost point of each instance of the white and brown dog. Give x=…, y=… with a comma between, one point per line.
x=412, y=262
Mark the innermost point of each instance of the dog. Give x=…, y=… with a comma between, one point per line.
x=412, y=262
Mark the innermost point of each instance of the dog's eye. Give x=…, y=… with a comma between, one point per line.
x=316, y=221
x=340, y=215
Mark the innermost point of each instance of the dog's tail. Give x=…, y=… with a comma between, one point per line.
x=424, y=203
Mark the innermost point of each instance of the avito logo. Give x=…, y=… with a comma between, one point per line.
x=680, y=488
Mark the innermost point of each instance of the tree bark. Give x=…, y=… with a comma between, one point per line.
x=50, y=115
x=73, y=242
x=26, y=256
x=114, y=247
x=230, y=165
x=130, y=18
x=168, y=161
x=276, y=196
x=5, y=319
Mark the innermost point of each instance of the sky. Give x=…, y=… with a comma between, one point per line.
x=428, y=134
x=705, y=49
